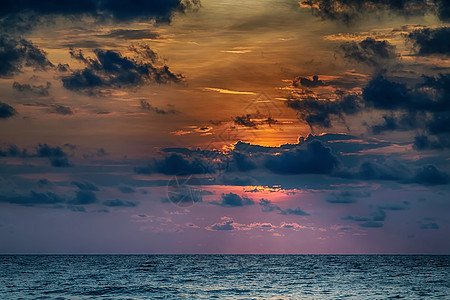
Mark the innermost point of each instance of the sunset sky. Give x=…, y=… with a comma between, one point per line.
x=185, y=126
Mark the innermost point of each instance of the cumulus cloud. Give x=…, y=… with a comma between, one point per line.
x=85, y=186
x=6, y=111
x=349, y=11
x=226, y=224
x=316, y=159
x=429, y=41
x=373, y=53
x=33, y=198
x=56, y=155
x=110, y=69
x=306, y=82
x=83, y=197
x=18, y=53
x=39, y=90
x=148, y=107
x=119, y=203
x=422, y=106
x=267, y=206
x=346, y=196
x=126, y=189
x=318, y=112
x=102, y=9
x=234, y=200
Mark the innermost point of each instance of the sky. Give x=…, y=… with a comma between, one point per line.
x=186, y=126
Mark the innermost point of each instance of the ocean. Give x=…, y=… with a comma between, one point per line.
x=224, y=277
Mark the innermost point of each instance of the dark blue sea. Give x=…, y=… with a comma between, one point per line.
x=224, y=277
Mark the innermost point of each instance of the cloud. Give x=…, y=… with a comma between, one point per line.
x=177, y=165
x=245, y=120
x=34, y=198
x=126, y=189
x=346, y=197
x=430, y=175
x=85, y=186
x=303, y=81
x=429, y=41
x=39, y=90
x=373, y=53
x=422, y=106
x=61, y=110
x=60, y=162
x=243, y=162
x=317, y=112
x=234, y=200
x=83, y=197
x=6, y=111
x=119, y=203
x=16, y=54
x=131, y=34
x=349, y=11
x=110, y=69
x=294, y=211
x=371, y=224
x=316, y=159
x=147, y=106
x=267, y=206
x=225, y=225
x=102, y=9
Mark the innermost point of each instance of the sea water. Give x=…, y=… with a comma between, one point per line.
x=224, y=277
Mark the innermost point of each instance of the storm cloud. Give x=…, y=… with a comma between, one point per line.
x=109, y=69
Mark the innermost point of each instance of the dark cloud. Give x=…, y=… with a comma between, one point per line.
x=126, y=189
x=244, y=120
x=430, y=41
x=85, y=186
x=318, y=112
x=423, y=142
x=102, y=9
x=425, y=105
x=44, y=150
x=34, y=198
x=346, y=197
x=243, y=162
x=131, y=34
x=303, y=81
x=61, y=110
x=347, y=11
x=111, y=69
x=316, y=159
x=234, y=200
x=226, y=225
x=371, y=224
x=379, y=215
x=6, y=111
x=267, y=206
x=119, y=203
x=177, y=165
x=430, y=175
x=15, y=54
x=377, y=54
x=83, y=197
x=43, y=182
x=148, y=107
x=294, y=211
x=39, y=90
x=60, y=162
